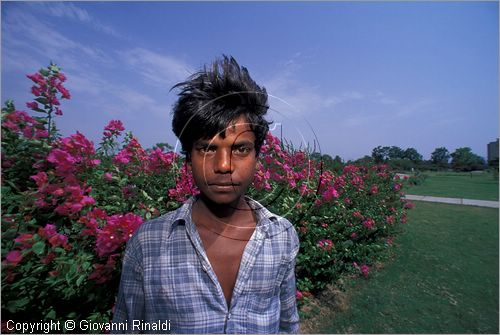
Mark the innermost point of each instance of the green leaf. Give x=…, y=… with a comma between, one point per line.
x=41, y=100
x=80, y=280
x=146, y=195
x=51, y=315
x=38, y=248
x=17, y=305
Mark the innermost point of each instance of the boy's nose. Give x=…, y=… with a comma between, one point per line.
x=222, y=163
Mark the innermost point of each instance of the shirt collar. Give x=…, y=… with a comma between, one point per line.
x=264, y=217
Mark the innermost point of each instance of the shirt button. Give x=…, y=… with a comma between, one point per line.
x=229, y=316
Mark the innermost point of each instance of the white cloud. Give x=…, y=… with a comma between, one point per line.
x=157, y=69
x=71, y=11
x=305, y=98
x=35, y=37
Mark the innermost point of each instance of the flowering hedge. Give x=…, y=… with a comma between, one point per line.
x=69, y=207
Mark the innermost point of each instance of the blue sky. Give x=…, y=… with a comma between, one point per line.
x=347, y=75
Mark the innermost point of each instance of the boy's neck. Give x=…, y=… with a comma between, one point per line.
x=224, y=212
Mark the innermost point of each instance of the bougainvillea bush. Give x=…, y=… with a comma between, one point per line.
x=69, y=207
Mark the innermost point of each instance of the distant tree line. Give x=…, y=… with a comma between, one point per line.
x=462, y=159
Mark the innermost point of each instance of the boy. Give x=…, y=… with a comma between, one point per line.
x=221, y=263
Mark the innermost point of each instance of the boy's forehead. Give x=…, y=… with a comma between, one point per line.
x=238, y=127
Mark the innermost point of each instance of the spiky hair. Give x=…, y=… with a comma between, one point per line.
x=213, y=97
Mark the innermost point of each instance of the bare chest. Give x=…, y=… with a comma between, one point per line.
x=225, y=251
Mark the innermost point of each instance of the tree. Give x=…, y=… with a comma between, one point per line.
x=163, y=146
x=412, y=154
x=363, y=161
x=463, y=159
x=440, y=157
x=380, y=154
x=395, y=153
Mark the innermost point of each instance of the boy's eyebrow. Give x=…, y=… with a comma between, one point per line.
x=237, y=143
x=243, y=143
x=203, y=142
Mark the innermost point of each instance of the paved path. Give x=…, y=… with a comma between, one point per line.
x=458, y=201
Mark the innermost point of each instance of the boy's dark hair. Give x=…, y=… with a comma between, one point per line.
x=210, y=99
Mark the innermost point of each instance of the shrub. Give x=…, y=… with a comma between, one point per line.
x=69, y=208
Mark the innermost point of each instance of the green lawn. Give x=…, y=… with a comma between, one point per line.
x=443, y=279
x=480, y=186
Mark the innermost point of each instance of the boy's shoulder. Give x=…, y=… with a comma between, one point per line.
x=276, y=227
x=163, y=224
x=158, y=230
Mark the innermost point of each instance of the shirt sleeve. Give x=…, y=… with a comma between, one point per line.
x=130, y=301
x=289, y=316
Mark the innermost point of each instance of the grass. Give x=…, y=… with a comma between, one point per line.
x=479, y=186
x=443, y=279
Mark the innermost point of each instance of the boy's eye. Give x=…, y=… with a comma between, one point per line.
x=242, y=150
x=206, y=149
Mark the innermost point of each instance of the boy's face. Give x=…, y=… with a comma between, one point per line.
x=224, y=168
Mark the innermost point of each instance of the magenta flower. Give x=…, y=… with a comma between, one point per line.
x=114, y=128
x=13, y=257
x=326, y=245
x=369, y=223
x=365, y=270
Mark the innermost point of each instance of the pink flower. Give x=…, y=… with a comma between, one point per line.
x=369, y=223
x=32, y=105
x=108, y=176
x=357, y=215
x=374, y=189
x=40, y=179
x=390, y=219
x=14, y=257
x=114, y=128
x=330, y=194
x=365, y=270
x=409, y=205
x=325, y=245
x=299, y=295
x=49, y=258
x=61, y=77
x=64, y=92
x=92, y=220
x=37, y=78
x=185, y=185
x=104, y=272
x=58, y=240
x=116, y=233
x=64, y=162
x=48, y=231
x=25, y=240
x=41, y=133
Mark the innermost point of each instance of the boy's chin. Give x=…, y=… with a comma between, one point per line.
x=222, y=199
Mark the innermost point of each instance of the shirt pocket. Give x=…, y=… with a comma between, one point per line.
x=263, y=314
x=172, y=290
x=266, y=278
x=263, y=305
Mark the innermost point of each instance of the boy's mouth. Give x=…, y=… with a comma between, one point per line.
x=223, y=187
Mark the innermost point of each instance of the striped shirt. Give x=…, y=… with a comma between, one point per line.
x=167, y=276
